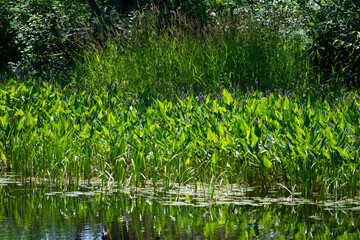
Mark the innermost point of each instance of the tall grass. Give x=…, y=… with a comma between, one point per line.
x=234, y=49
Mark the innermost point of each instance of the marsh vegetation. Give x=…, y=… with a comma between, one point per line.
x=207, y=97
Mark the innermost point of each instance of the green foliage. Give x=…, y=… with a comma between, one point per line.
x=8, y=51
x=304, y=142
x=45, y=34
x=236, y=50
x=334, y=26
x=40, y=34
x=97, y=130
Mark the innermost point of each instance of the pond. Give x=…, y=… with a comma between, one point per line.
x=44, y=211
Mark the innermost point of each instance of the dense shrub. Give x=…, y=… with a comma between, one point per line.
x=8, y=51
x=40, y=33
x=329, y=29
x=335, y=29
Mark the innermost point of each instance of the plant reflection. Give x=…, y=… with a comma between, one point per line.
x=42, y=212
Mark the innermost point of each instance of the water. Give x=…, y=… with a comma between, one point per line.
x=90, y=212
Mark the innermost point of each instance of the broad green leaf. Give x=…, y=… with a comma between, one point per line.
x=20, y=123
x=286, y=103
x=253, y=137
x=211, y=136
x=76, y=127
x=270, y=138
x=111, y=119
x=223, y=142
x=152, y=128
x=161, y=106
x=19, y=112
x=100, y=116
x=221, y=129
x=3, y=156
x=4, y=121
x=214, y=158
x=267, y=163
x=227, y=96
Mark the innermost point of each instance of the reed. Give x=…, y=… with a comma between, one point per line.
x=235, y=48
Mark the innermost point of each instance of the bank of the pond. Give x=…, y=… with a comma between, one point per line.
x=302, y=142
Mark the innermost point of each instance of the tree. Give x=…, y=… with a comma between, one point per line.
x=119, y=5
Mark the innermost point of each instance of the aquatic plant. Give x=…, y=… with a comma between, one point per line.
x=307, y=143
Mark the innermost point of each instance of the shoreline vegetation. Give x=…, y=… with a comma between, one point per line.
x=302, y=142
x=236, y=98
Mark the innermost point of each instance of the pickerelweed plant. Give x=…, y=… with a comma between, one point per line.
x=274, y=138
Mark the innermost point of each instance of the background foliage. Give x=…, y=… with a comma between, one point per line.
x=45, y=35
x=335, y=29
x=40, y=33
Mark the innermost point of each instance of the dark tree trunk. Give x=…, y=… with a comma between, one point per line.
x=119, y=5
x=95, y=8
x=125, y=5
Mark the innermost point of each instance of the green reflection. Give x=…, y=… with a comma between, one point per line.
x=44, y=212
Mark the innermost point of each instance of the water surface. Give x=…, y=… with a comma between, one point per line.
x=90, y=212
